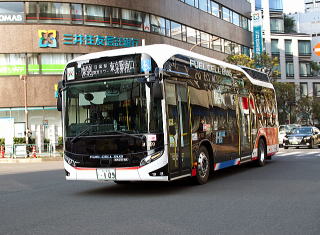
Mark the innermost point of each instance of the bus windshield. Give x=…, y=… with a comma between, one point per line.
x=111, y=107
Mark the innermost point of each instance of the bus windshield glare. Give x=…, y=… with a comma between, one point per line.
x=110, y=107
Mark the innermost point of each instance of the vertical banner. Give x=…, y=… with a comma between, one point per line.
x=257, y=32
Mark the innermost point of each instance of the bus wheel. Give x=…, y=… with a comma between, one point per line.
x=203, y=166
x=261, y=153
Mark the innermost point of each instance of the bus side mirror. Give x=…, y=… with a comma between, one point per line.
x=59, y=99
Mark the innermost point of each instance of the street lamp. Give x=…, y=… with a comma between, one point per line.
x=24, y=79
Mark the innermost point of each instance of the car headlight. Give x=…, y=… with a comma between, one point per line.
x=307, y=138
x=150, y=158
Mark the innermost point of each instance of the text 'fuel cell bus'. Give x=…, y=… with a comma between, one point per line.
x=161, y=113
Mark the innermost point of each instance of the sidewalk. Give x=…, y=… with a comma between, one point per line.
x=29, y=160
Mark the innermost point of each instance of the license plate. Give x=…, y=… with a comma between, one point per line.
x=294, y=142
x=106, y=174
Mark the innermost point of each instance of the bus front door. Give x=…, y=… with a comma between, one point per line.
x=178, y=128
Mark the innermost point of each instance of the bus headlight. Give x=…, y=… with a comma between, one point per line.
x=150, y=158
x=70, y=161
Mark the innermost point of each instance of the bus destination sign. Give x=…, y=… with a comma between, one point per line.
x=108, y=68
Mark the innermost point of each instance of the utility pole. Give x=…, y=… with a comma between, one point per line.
x=24, y=79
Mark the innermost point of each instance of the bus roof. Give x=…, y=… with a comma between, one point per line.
x=162, y=53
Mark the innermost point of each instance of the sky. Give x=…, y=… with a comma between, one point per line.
x=291, y=6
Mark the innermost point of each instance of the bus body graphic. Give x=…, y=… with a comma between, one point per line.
x=180, y=115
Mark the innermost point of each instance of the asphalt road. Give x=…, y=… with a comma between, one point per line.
x=281, y=198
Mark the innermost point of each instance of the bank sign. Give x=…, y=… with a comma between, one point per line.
x=48, y=38
x=257, y=32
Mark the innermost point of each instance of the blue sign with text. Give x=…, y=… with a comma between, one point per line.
x=98, y=40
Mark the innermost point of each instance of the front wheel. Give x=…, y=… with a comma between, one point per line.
x=203, y=166
x=262, y=153
x=311, y=145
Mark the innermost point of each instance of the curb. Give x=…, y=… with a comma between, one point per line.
x=29, y=160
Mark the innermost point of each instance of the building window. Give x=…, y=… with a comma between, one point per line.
x=276, y=25
x=54, y=63
x=226, y=14
x=303, y=89
x=31, y=12
x=227, y=47
x=12, y=64
x=115, y=17
x=54, y=12
x=236, y=18
x=168, y=28
x=276, y=5
x=132, y=19
x=176, y=30
x=33, y=64
x=244, y=23
x=190, y=2
x=184, y=32
x=205, y=40
x=158, y=25
x=275, y=46
x=245, y=50
x=289, y=69
x=215, y=9
x=12, y=12
x=96, y=15
x=204, y=5
x=288, y=47
x=304, y=48
x=305, y=69
x=316, y=89
x=216, y=43
x=76, y=14
x=192, y=35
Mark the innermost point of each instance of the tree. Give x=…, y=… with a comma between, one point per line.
x=286, y=101
x=289, y=24
x=315, y=67
x=304, y=111
x=263, y=63
x=316, y=110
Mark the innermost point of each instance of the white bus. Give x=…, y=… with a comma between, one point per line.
x=161, y=113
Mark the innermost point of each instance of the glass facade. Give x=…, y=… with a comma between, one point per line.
x=31, y=63
x=105, y=16
x=220, y=11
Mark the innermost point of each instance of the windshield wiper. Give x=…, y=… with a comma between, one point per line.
x=81, y=133
x=127, y=134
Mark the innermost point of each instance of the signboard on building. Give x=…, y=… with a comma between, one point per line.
x=257, y=32
x=47, y=38
x=99, y=40
x=11, y=17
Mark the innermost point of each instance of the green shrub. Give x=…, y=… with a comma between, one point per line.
x=60, y=140
x=46, y=141
x=2, y=141
x=19, y=140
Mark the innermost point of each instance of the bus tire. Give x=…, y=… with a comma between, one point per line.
x=203, y=166
x=262, y=153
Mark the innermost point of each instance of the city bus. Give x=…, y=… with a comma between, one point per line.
x=161, y=113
